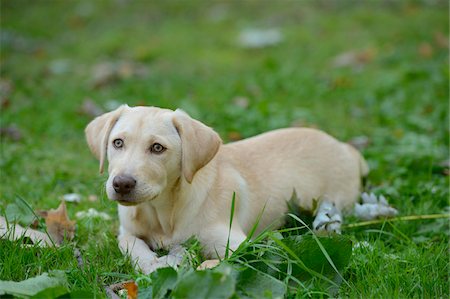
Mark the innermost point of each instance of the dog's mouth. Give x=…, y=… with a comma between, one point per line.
x=128, y=203
x=122, y=200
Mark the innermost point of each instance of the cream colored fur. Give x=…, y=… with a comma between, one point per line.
x=187, y=190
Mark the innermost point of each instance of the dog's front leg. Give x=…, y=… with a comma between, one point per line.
x=215, y=242
x=141, y=255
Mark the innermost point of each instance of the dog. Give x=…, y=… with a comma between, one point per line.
x=174, y=179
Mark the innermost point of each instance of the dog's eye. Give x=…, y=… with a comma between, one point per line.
x=157, y=148
x=118, y=143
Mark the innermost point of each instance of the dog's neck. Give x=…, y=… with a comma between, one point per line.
x=162, y=209
x=171, y=215
x=190, y=197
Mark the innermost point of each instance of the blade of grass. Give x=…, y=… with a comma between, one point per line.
x=233, y=201
x=403, y=218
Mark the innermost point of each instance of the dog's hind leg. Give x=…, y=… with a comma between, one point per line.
x=373, y=207
x=328, y=218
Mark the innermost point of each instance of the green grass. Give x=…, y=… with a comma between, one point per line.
x=398, y=99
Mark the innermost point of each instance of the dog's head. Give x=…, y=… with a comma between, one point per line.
x=149, y=149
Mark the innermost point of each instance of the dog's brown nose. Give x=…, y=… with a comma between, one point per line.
x=123, y=184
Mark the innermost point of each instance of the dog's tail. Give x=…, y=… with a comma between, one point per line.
x=363, y=166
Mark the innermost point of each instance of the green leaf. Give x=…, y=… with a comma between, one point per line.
x=215, y=283
x=19, y=211
x=163, y=280
x=77, y=294
x=339, y=249
x=256, y=284
x=52, y=292
x=33, y=286
x=145, y=293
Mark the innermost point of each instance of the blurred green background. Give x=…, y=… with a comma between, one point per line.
x=374, y=69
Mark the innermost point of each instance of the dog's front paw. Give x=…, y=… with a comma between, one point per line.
x=148, y=266
x=173, y=259
x=162, y=262
x=208, y=264
x=373, y=207
x=170, y=261
x=328, y=218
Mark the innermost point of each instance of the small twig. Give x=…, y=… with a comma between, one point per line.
x=110, y=293
x=403, y=218
x=77, y=255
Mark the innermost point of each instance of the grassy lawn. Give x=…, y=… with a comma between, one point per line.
x=352, y=69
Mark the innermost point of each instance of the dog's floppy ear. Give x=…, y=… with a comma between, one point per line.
x=97, y=133
x=199, y=143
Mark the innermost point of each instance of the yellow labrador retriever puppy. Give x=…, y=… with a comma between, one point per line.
x=173, y=179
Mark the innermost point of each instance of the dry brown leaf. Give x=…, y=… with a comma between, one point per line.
x=354, y=58
x=110, y=72
x=15, y=231
x=234, y=136
x=360, y=142
x=59, y=226
x=241, y=102
x=441, y=40
x=12, y=132
x=90, y=108
x=92, y=197
x=425, y=50
x=132, y=289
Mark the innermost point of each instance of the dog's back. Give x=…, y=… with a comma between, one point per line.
x=309, y=161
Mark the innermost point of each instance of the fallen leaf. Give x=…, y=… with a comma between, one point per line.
x=33, y=286
x=90, y=108
x=59, y=226
x=107, y=73
x=441, y=40
x=92, y=197
x=130, y=286
x=259, y=38
x=12, y=132
x=103, y=74
x=6, y=89
x=360, y=142
x=5, y=103
x=425, y=50
x=14, y=232
x=72, y=197
x=241, y=102
x=354, y=58
x=92, y=213
x=132, y=289
x=59, y=66
x=234, y=136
